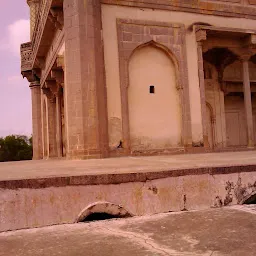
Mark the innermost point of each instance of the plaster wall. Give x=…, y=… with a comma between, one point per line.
x=235, y=121
x=109, y=15
x=155, y=118
x=30, y=208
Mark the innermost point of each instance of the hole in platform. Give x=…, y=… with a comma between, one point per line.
x=251, y=200
x=96, y=216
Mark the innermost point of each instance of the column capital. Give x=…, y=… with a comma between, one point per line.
x=49, y=94
x=58, y=76
x=35, y=84
x=31, y=76
x=244, y=57
x=201, y=35
x=246, y=54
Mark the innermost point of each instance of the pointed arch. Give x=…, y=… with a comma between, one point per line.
x=168, y=52
x=160, y=35
x=151, y=64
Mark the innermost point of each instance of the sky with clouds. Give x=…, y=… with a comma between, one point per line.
x=15, y=101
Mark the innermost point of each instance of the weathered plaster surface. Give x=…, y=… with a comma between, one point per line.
x=31, y=207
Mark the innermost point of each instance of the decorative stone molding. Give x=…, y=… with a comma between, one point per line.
x=48, y=93
x=34, y=84
x=57, y=18
x=34, y=6
x=40, y=62
x=201, y=35
x=218, y=8
x=60, y=62
x=58, y=75
x=26, y=56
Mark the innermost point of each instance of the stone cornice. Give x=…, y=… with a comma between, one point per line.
x=227, y=8
x=43, y=13
x=51, y=58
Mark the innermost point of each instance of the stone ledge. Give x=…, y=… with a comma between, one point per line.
x=103, y=179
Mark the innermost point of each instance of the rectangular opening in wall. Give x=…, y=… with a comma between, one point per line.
x=151, y=89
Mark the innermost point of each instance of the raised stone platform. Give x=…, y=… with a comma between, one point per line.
x=40, y=193
x=211, y=232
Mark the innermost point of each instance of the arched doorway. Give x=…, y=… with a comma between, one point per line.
x=154, y=105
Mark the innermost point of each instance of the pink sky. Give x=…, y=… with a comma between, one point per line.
x=15, y=102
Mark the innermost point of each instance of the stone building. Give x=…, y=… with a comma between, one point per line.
x=111, y=78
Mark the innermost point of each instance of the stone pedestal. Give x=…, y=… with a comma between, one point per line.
x=85, y=90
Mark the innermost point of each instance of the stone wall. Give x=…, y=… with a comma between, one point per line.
x=42, y=202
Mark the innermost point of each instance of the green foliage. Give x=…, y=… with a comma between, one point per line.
x=15, y=148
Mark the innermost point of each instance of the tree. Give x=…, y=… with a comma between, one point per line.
x=15, y=148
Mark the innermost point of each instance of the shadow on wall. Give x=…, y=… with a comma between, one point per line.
x=251, y=199
x=102, y=211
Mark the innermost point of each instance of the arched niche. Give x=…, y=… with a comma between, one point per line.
x=172, y=41
x=155, y=114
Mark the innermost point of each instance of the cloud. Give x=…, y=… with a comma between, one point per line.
x=17, y=33
x=14, y=79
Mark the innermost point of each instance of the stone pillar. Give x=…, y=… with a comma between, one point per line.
x=202, y=92
x=59, y=125
x=33, y=5
x=51, y=123
x=52, y=127
x=248, y=102
x=36, y=120
x=85, y=89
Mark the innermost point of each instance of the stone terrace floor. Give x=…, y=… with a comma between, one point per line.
x=60, y=168
x=229, y=231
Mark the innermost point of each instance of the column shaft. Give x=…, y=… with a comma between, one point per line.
x=36, y=120
x=85, y=90
x=52, y=127
x=59, y=126
x=202, y=93
x=248, y=103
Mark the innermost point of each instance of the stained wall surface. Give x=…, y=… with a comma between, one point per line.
x=154, y=105
x=111, y=13
x=30, y=208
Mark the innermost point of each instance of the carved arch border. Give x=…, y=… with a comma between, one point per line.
x=170, y=37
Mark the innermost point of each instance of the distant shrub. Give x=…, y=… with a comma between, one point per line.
x=15, y=148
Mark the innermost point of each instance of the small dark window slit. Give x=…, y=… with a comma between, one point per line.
x=151, y=89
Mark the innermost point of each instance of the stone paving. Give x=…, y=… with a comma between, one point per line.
x=213, y=232
x=59, y=168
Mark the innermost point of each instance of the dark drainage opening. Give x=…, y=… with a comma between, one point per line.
x=97, y=216
x=251, y=200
